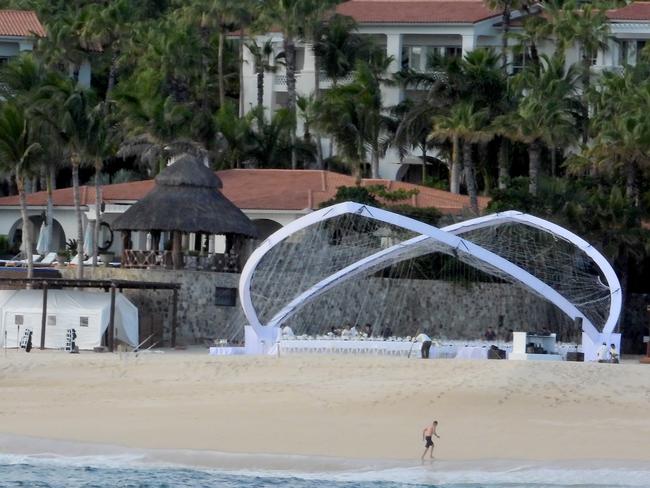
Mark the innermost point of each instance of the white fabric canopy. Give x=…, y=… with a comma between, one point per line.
x=86, y=312
x=43, y=244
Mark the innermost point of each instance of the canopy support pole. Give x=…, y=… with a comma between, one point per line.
x=111, y=321
x=44, y=316
x=174, y=316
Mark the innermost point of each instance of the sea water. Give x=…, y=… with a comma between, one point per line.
x=55, y=471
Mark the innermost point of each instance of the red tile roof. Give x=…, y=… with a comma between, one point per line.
x=634, y=11
x=20, y=23
x=263, y=189
x=416, y=11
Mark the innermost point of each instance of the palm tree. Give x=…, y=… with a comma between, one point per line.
x=354, y=116
x=107, y=28
x=621, y=128
x=18, y=149
x=67, y=108
x=414, y=128
x=262, y=57
x=588, y=26
x=546, y=113
x=465, y=124
x=291, y=16
x=505, y=7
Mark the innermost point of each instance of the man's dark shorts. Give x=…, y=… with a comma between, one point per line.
x=429, y=441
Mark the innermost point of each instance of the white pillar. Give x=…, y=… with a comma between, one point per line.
x=469, y=43
x=211, y=244
x=394, y=49
x=392, y=95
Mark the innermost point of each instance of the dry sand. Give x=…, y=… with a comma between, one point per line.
x=342, y=406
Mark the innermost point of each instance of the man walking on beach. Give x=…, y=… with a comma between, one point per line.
x=427, y=436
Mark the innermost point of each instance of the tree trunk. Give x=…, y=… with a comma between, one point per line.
x=586, y=83
x=112, y=74
x=470, y=176
x=77, y=210
x=454, y=179
x=319, y=142
x=49, y=184
x=220, y=76
x=534, y=153
x=27, y=228
x=424, y=160
x=504, y=164
x=241, y=71
x=290, y=58
x=375, y=161
x=98, y=203
x=260, y=90
x=504, y=36
x=553, y=161
x=631, y=183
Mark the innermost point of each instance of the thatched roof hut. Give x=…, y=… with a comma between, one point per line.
x=186, y=199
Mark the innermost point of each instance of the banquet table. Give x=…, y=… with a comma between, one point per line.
x=472, y=352
x=377, y=347
x=226, y=351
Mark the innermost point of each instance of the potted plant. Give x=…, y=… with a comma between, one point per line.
x=62, y=256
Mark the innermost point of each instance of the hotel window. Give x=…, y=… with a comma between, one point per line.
x=630, y=52
x=519, y=62
x=51, y=320
x=83, y=321
x=18, y=319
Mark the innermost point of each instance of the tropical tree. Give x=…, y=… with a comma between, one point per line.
x=296, y=18
x=546, y=114
x=66, y=107
x=18, y=151
x=263, y=56
x=588, y=27
x=505, y=7
x=465, y=124
x=355, y=117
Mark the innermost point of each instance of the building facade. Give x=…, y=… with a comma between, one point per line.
x=411, y=30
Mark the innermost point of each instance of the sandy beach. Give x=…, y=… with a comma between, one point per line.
x=341, y=406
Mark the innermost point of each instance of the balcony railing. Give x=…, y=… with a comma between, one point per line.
x=222, y=263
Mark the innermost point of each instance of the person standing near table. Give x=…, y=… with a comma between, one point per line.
x=426, y=344
x=427, y=436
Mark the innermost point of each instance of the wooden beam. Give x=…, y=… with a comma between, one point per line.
x=44, y=316
x=111, y=321
x=174, y=317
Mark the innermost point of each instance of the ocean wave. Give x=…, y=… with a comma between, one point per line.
x=439, y=474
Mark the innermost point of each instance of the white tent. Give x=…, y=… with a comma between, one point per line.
x=86, y=312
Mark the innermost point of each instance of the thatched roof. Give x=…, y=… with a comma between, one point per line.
x=186, y=198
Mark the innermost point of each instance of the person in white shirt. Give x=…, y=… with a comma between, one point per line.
x=426, y=344
x=602, y=354
x=353, y=331
x=287, y=332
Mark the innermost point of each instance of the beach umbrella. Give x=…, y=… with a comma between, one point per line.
x=88, y=238
x=43, y=244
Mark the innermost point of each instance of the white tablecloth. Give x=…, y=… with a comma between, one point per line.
x=226, y=351
x=338, y=346
x=472, y=352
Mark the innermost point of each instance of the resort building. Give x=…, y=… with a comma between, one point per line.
x=412, y=30
x=270, y=198
x=20, y=31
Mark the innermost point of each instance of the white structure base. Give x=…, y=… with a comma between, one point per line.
x=518, y=356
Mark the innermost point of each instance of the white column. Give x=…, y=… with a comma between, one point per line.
x=392, y=95
x=211, y=244
x=394, y=49
x=469, y=43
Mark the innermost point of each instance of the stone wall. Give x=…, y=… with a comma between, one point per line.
x=451, y=310
x=199, y=318
x=445, y=309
